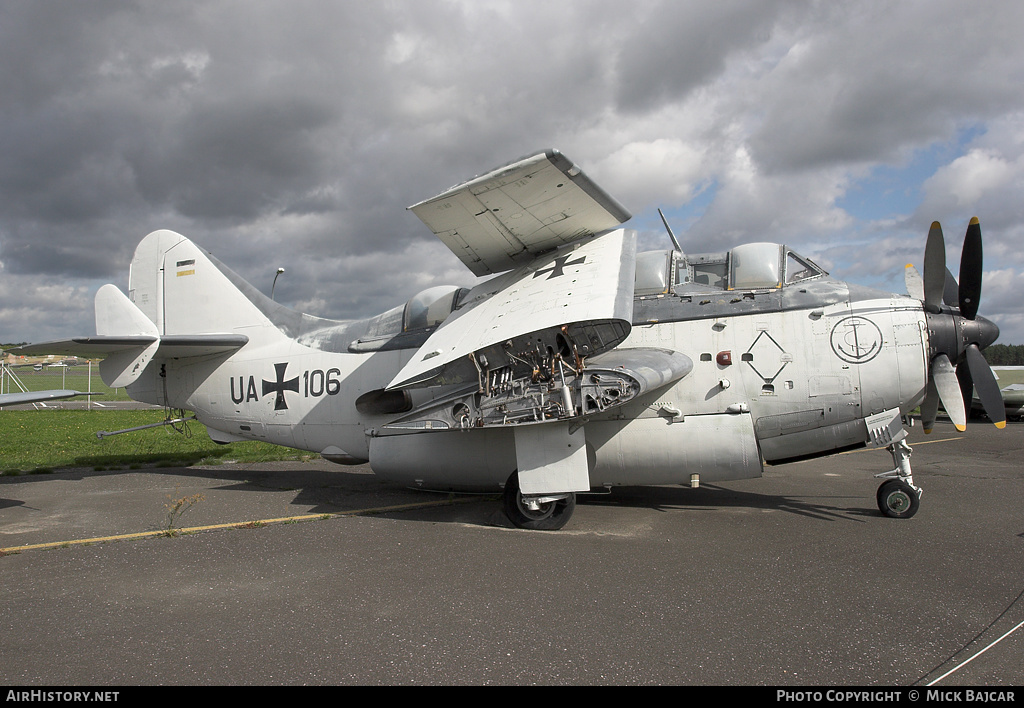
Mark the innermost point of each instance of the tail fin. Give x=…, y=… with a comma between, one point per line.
x=183, y=291
x=181, y=303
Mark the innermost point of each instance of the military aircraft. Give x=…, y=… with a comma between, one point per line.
x=581, y=365
x=1011, y=382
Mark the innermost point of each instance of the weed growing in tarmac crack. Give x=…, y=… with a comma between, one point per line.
x=176, y=508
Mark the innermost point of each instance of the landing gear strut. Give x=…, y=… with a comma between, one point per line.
x=898, y=498
x=540, y=513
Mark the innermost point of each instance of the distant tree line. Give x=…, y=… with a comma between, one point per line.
x=1005, y=355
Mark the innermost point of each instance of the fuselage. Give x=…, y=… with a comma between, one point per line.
x=778, y=373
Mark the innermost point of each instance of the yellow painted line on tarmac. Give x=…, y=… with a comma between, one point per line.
x=237, y=525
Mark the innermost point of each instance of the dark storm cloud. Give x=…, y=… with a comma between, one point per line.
x=678, y=47
x=890, y=75
x=294, y=134
x=234, y=161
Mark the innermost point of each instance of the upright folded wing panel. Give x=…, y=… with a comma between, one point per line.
x=505, y=218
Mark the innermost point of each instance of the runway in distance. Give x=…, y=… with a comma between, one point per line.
x=580, y=366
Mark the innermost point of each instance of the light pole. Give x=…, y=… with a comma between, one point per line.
x=279, y=271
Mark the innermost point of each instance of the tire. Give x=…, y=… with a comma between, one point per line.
x=550, y=517
x=897, y=499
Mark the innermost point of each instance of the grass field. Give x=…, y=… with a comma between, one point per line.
x=45, y=440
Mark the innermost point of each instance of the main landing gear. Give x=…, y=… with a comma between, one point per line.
x=539, y=513
x=898, y=498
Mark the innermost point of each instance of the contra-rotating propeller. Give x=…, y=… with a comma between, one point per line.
x=956, y=333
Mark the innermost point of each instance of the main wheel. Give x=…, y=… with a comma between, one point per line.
x=897, y=499
x=548, y=516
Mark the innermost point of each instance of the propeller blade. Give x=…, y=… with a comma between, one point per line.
x=950, y=290
x=944, y=376
x=985, y=384
x=929, y=408
x=970, y=271
x=915, y=286
x=934, y=268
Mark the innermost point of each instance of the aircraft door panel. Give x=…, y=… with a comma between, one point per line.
x=884, y=347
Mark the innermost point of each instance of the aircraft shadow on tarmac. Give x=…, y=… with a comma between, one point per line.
x=316, y=490
x=711, y=497
x=666, y=499
x=319, y=491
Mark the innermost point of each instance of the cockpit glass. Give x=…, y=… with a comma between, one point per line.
x=798, y=268
x=430, y=307
x=711, y=274
x=754, y=266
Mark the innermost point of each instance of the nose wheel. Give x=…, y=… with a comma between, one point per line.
x=897, y=497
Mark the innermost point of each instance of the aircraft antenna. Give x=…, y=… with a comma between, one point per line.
x=675, y=241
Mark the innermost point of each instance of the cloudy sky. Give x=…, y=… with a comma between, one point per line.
x=293, y=134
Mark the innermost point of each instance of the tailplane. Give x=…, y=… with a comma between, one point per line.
x=181, y=303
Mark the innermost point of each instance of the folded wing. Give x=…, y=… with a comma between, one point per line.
x=503, y=219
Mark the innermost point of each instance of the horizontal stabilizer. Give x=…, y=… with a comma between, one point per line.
x=88, y=347
x=179, y=346
x=505, y=218
x=175, y=346
x=125, y=357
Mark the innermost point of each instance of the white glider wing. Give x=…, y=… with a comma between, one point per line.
x=14, y=399
x=504, y=219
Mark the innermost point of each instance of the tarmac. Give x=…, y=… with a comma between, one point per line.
x=316, y=574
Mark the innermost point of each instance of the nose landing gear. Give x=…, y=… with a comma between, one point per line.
x=897, y=497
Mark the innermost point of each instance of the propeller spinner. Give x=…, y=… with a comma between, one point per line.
x=956, y=333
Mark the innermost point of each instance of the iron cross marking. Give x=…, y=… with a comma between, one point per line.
x=556, y=268
x=280, y=386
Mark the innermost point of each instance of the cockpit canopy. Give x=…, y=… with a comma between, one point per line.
x=751, y=266
x=430, y=307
